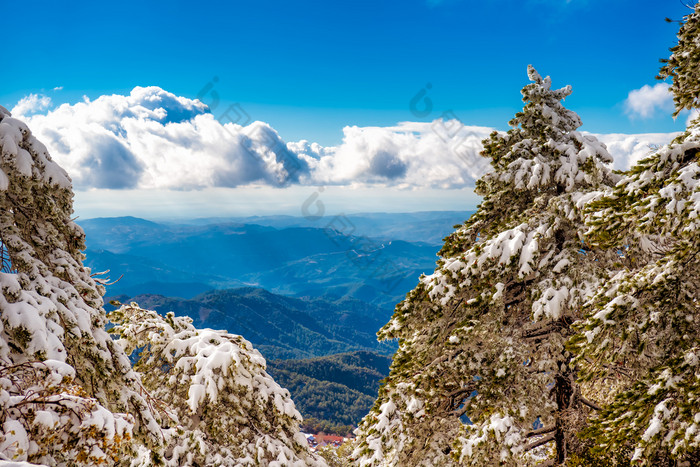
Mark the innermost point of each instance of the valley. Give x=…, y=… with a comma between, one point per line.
x=309, y=298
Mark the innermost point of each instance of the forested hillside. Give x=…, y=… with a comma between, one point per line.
x=280, y=327
x=333, y=392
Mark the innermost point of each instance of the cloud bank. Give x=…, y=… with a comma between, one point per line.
x=153, y=139
x=627, y=150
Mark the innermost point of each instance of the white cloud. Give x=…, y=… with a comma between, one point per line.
x=441, y=154
x=646, y=101
x=627, y=150
x=31, y=104
x=58, y=88
x=154, y=140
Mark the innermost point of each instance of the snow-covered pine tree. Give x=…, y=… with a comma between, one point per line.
x=683, y=66
x=226, y=409
x=68, y=395
x=639, y=346
x=484, y=335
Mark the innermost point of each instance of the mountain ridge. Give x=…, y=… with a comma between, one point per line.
x=295, y=260
x=281, y=327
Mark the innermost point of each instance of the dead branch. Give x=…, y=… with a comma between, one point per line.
x=539, y=442
x=589, y=403
x=541, y=431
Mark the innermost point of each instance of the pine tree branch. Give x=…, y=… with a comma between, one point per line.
x=548, y=328
x=541, y=431
x=456, y=306
x=460, y=412
x=589, y=403
x=455, y=399
x=539, y=442
x=458, y=392
x=515, y=299
x=445, y=357
x=540, y=330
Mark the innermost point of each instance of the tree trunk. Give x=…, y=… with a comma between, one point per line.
x=563, y=390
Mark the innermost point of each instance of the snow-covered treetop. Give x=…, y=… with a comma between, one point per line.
x=544, y=104
x=24, y=154
x=683, y=66
x=484, y=334
x=543, y=150
x=226, y=408
x=541, y=156
x=54, y=352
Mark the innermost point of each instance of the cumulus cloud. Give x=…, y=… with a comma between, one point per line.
x=627, y=150
x=441, y=154
x=31, y=104
x=153, y=139
x=646, y=101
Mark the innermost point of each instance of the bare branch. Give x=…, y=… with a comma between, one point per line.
x=460, y=412
x=589, y=404
x=541, y=431
x=445, y=357
x=457, y=305
x=539, y=442
x=458, y=392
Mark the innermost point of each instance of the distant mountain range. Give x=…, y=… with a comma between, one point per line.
x=331, y=284
x=426, y=227
x=376, y=258
x=280, y=327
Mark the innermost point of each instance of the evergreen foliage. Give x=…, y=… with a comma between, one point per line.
x=224, y=408
x=639, y=345
x=640, y=341
x=68, y=394
x=683, y=66
x=484, y=336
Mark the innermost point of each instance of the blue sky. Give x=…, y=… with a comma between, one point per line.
x=310, y=68
x=311, y=71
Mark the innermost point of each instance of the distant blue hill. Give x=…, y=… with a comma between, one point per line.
x=426, y=227
x=376, y=258
x=280, y=327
